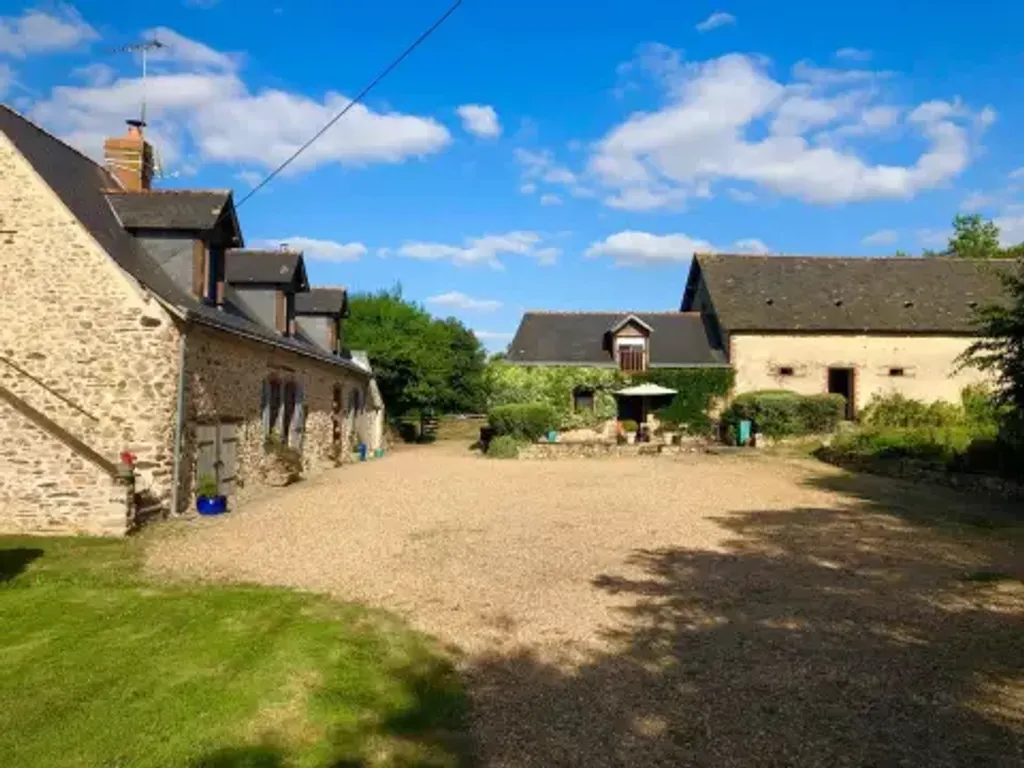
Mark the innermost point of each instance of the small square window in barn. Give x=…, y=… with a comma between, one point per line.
x=897, y=372
x=786, y=370
x=583, y=400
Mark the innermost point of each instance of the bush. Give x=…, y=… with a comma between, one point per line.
x=629, y=426
x=503, y=447
x=818, y=414
x=523, y=421
x=897, y=410
x=781, y=413
x=946, y=445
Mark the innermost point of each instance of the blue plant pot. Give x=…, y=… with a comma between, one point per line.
x=212, y=505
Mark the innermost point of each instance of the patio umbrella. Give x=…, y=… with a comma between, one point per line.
x=646, y=393
x=646, y=390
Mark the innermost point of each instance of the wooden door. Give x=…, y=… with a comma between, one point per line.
x=217, y=454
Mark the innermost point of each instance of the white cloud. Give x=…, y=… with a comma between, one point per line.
x=458, y=300
x=742, y=195
x=96, y=74
x=549, y=199
x=716, y=20
x=319, y=250
x=203, y=4
x=38, y=31
x=547, y=256
x=933, y=238
x=540, y=167
x=976, y=200
x=6, y=78
x=881, y=237
x=645, y=198
x=212, y=115
x=751, y=245
x=1017, y=174
x=249, y=178
x=528, y=189
x=185, y=51
x=480, y=250
x=480, y=120
x=631, y=248
x=486, y=336
x=707, y=131
x=1011, y=229
x=853, y=54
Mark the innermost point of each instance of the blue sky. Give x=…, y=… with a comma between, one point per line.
x=553, y=155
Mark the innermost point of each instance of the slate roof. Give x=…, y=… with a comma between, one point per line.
x=267, y=267
x=321, y=301
x=81, y=185
x=857, y=294
x=172, y=209
x=580, y=338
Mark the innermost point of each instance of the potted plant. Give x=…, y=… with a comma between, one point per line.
x=668, y=431
x=209, y=500
x=629, y=427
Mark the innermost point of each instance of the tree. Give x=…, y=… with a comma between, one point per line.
x=1000, y=348
x=421, y=364
x=975, y=237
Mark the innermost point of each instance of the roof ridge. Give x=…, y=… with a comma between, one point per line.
x=157, y=192
x=617, y=312
x=833, y=257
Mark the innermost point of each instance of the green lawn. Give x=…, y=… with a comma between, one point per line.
x=100, y=666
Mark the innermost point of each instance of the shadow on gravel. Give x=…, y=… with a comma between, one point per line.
x=818, y=638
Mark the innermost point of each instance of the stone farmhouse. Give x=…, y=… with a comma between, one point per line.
x=858, y=327
x=134, y=321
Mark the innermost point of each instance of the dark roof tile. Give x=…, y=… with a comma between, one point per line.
x=321, y=301
x=266, y=267
x=580, y=338
x=855, y=294
x=170, y=209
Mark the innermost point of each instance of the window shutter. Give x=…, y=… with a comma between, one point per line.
x=298, y=425
x=265, y=408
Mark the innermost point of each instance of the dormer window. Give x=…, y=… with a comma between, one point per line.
x=632, y=353
x=630, y=344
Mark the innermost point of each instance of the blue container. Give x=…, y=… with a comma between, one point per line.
x=744, y=429
x=362, y=451
x=552, y=436
x=212, y=505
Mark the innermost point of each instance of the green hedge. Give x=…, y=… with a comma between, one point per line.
x=781, y=413
x=523, y=421
x=698, y=391
x=503, y=447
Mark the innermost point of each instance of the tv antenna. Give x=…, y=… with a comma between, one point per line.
x=143, y=47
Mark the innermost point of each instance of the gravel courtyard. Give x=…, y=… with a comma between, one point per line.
x=690, y=611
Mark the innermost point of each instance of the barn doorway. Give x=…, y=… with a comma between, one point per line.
x=841, y=382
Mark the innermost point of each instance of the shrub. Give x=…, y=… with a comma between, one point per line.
x=523, y=421
x=934, y=444
x=629, y=426
x=503, y=447
x=897, y=410
x=980, y=407
x=207, y=486
x=781, y=413
x=818, y=414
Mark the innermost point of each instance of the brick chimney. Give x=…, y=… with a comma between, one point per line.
x=130, y=158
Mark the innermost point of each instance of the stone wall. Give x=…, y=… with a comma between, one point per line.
x=931, y=474
x=226, y=375
x=597, y=450
x=928, y=364
x=98, y=357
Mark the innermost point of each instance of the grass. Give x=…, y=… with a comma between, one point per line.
x=100, y=666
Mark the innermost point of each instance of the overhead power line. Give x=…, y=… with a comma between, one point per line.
x=362, y=94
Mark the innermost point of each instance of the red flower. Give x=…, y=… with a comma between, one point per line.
x=128, y=458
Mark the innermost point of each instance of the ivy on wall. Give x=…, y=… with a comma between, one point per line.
x=699, y=390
